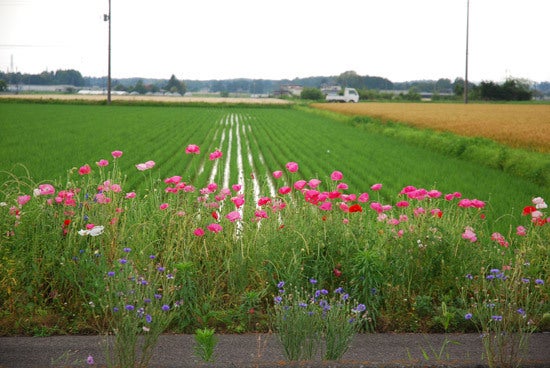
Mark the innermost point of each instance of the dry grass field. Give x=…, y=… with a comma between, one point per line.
x=520, y=126
x=166, y=99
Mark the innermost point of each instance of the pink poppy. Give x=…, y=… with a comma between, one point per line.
x=260, y=214
x=150, y=164
x=263, y=201
x=314, y=183
x=233, y=216
x=85, y=170
x=521, y=231
x=215, y=155
x=285, y=190
x=326, y=206
x=116, y=154
x=434, y=193
x=45, y=189
x=300, y=184
x=342, y=186
x=198, y=232
x=376, y=206
x=23, y=199
x=173, y=179
x=336, y=176
x=130, y=195
x=215, y=228
x=212, y=187
x=292, y=167
x=469, y=234
x=193, y=148
x=363, y=197
x=164, y=206
x=236, y=187
x=376, y=187
x=102, y=163
x=402, y=204
x=277, y=174
x=238, y=201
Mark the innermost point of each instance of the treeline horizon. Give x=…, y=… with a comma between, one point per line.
x=254, y=86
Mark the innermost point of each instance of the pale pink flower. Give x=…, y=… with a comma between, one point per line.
x=233, y=216
x=376, y=206
x=469, y=234
x=393, y=221
x=539, y=203
x=192, y=149
x=376, y=187
x=44, y=189
x=198, y=232
x=277, y=174
x=85, y=170
x=141, y=167
x=102, y=163
x=116, y=154
x=164, y=206
x=314, y=183
x=215, y=155
x=130, y=195
x=300, y=184
x=521, y=231
x=116, y=188
x=150, y=164
x=336, y=176
x=260, y=214
x=419, y=211
x=23, y=199
x=292, y=167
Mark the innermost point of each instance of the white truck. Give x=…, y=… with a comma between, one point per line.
x=349, y=95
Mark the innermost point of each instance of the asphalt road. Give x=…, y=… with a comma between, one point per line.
x=264, y=350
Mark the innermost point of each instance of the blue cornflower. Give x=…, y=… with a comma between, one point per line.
x=303, y=305
x=129, y=307
x=525, y=280
x=158, y=296
x=122, y=261
x=339, y=290
x=152, y=256
x=278, y=300
x=468, y=316
x=111, y=273
x=521, y=311
x=494, y=270
x=115, y=309
x=360, y=308
x=496, y=318
x=345, y=297
x=165, y=307
x=469, y=276
x=160, y=269
x=148, y=318
x=127, y=250
x=147, y=300
x=539, y=282
x=281, y=284
x=169, y=276
x=490, y=277
x=312, y=281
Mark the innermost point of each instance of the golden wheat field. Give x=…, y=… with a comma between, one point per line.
x=520, y=126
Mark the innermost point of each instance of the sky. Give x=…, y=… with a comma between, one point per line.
x=401, y=40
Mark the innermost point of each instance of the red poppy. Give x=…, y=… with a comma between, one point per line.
x=527, y=210
x=355, y=208
x=215, y=215
x=337, y=272
x=66, y=223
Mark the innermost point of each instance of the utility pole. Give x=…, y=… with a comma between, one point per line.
x=107, y=18
x=467, y=36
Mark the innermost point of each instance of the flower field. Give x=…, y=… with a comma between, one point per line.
x=156, y=218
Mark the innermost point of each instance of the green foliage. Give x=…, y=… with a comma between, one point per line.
x=205, y=343
x=175, y=85
x=309, y=93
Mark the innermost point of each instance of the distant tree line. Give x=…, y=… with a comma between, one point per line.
x=369, y=87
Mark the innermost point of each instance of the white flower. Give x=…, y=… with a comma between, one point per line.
x=96, y=230
x=539, y=203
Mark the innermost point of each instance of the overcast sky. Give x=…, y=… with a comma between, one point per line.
x=279, y=39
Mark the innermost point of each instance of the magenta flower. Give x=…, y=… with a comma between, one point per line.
x=164, y=206
x=285, y=190
x=130, y=195
x=326, y=206
x=263, y=201
x=238, y=201
x=363, y=197
x=193, y=149
x=233, y=216
x=342, y=186
x=85, y=170
x=173, y=179
x=198, y=232
x=292, y=167
x=260, y=214
x=102, y=163
x=277, y=174
x=116, y=154
x=214, y=155
x=215, y=228
x=90, y=360
x=236, y=187
x=336, y=176
x=402, y=204
x=376, y=187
